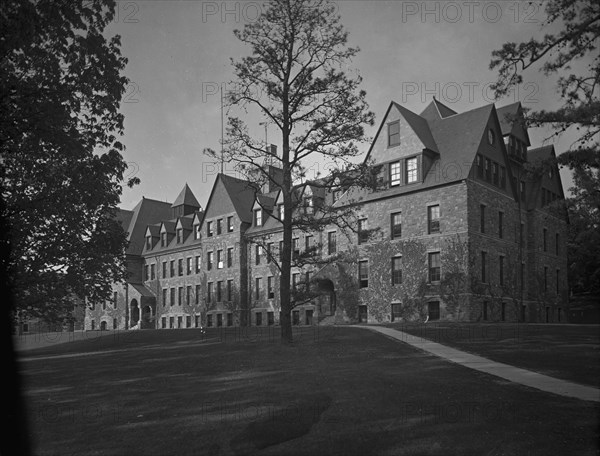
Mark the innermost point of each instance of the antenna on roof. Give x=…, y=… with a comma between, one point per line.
x=222, y=129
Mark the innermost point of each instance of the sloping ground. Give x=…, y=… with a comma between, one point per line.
x=569, y=352
x=335, y=391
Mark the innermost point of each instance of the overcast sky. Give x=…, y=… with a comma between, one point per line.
x=179, y=54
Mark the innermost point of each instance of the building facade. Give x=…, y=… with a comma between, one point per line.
x=467, y=223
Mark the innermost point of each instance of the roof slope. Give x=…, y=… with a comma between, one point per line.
x=146, y=212
x=420, y=127
x=186, y=197
x=242, y=194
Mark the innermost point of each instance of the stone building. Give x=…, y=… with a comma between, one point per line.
x=466, y=223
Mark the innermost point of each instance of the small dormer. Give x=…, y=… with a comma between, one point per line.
x=183, y=229
x=185, y=204
x=167, y=233
x=197, y=226
x=151, y=237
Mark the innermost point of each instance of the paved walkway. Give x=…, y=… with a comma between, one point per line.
x=506, y=371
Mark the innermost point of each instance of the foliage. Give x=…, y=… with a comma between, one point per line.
x=571, y=54
x=296, y=79
x=61, y=164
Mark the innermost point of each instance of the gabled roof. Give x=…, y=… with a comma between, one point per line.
x=169, y=226
x=185, y=222
x=241, y=193
x=420, y=127
x=142, y=290
x=124, y=217
x=186, y=197
x=146, y=212
x=436, y=110
x=154, y=230
x=266, y=202
x=506, y=115
x=537, y=156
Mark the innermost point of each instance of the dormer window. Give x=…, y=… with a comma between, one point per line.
x=258, y=217
x=491, y=137
x=411, y=170
x=281, y=212
x=179, y=235
x=335, y=195
x=148, y=242
x=394, y=133
x=197, y=231
x=308, y=205
x=163, y=239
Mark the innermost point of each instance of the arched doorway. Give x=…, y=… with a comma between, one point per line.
x=147, y=316
x=135, y=312
x=327, y=300
x=103, y=326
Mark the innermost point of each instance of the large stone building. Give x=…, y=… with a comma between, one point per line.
x=467, y=223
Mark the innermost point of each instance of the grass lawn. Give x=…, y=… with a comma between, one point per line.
x=341, y=391
x=570, y=352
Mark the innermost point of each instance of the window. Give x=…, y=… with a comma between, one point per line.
x=148, y=242
x=209, y=229
x=188, y=295
x=500, y=224
x=163, y=239
x=188, y=321
x=396, y=222
x=229, y=290
x=411, y=170
x=180, y=266
x=209, y=292
x=172, y=268
x=172, y=297
x=219, y=259
x=258, y=316
x=197, y=297
x=396, y=270
x=434, y=267
x=523, y=191
x=280, y=249
x=93, y=325
x=115, y=298
x=295, y=277
x=394, y=133
x=308, y=242
x=152, y=271
x=332, y=242
x=269, y=252
x=115, y=323
x=433, y=219
x=219, y=226
x=482, y=218
x=295, y=317
x=488, y=170
x=219, y=320
x=545, y=239
x=197, y=231
x=491, y=137
x=394, y=173
x=501, y=269
x=556, y=243
x=209, y=320
x=198, y=263
x=496, y=174
x=363, y=234
x=522, y=276
x=433, y=310
x=307, y=279
x=188, y=268
x=295, y=247
x=281, y=211
x=180, y=296
x=209, y=261
x=164, y=269
x=103, y=305
x=485, y=310
x=257, y=255
x=230, y=224
x=558, y=281
x=483, y=266
x=363, y=273
x=164, y=297
x=545, y=278
x=229, y=257
x=270, y=291
x=146, y=272
x=479, y=166
x=503, y=314
x=335, y=195
x=270, y=318
x=229, y=319
x=396, y=311
x=257, y=287
x=179, y=235
x=258, y=217
x=219, y=291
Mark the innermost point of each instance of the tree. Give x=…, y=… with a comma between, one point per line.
x=297, y=80
x=61, y=164
x=563, y=54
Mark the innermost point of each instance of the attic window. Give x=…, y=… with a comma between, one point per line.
x=163, y=239
x=394, y=133
x=394, y=173
x=179, y=235
x=148, y=242
x=197, y=231
x=411, y=170
x=491, y=137
x=258, y=217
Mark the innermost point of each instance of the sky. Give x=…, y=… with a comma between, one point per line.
x=179, y=56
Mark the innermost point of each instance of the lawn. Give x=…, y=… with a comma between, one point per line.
x=570, y=352
x=339, y=391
